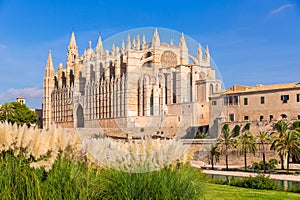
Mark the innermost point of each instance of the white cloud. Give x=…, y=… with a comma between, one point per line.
x=26, y=92
x=33, y=96
x=281, y=8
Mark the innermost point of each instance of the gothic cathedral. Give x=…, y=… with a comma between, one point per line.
x=141, y=87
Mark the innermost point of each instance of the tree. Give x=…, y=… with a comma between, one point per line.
x=263, y=137
x=227, y=140
x=19, y=114
x=288, y=145
x=281, y=128
x=214, y=155
x=6, y=110
x=246, y=143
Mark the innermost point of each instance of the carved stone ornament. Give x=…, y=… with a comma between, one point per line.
x=169, y=59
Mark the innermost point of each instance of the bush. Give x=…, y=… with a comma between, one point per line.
x=269, y=165
x=68, y=179
x=257, y=182
x=273, y=163
x=168, y=183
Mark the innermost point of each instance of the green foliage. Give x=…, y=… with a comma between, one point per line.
x=67, y=180
x=257, y=182
x=98, y=136
x=296, y=124
x=288, y=144
x=225, y=192
x=201, y=135
x=271, y=165
x=183, y=183
x=236, y=130
x=247, y=127
x=73, y=180
x=226, y=140
x=18, y=113
x=246, y=144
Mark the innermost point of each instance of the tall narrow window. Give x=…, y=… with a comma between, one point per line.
x=231, y=117
x=246, y=118
x=298, y=97
x=271, y=117
x=261, y=118
x=151, y=103
x=166, y=89
x=225, y=101
x=235, y=100
x=174, y=87
x=262, y=100
x=285, y=98
x=245, y=101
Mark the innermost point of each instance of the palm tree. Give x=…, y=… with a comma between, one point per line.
x=263, y=137
x=288, y=145
x=227, y=140
x=246, y=143
x=214, y=154
x=281, y=128
x=6, y=110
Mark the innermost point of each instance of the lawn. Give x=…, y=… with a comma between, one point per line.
x=216, y=192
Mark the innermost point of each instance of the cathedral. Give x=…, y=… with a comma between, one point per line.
x=141, y=87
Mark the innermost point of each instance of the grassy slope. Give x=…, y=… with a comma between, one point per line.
x=217, y=192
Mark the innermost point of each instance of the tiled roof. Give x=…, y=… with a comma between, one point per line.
x=258, y=88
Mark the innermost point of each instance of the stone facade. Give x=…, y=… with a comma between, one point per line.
x=261, y=106
x=142, y=87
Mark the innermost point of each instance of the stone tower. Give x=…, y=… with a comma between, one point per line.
x=48, y=87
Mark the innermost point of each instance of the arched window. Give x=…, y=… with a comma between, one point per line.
x=151, y=103
x=211, y=89
x=189, y=87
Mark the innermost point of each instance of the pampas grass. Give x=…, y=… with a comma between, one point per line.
x=137, y=156
x=42, y=145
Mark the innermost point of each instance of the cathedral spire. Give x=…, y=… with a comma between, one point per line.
x=128, y=43
x=49, y=66
x=143, y=42
x=199, y=53
x=123, y=47
x=184, y=54
x=207, y=54
x=183, y=43
x=99, y=47
x=72, y=50
x=155, y=39
x=113, y=49
x=72, y=40
x=138, y=42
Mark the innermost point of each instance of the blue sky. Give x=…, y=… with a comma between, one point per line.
x=251, y=41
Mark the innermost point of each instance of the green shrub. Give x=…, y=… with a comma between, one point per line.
x=273, y=163
x=74, y=180
x=168, y=183
x=257, y=182
x=269, y=165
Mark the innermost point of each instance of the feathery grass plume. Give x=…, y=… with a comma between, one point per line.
x=136, y=156
x=6, y=139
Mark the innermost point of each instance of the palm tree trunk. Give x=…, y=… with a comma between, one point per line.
x=245, y=158
x=264, y=157
x=212, y=163
x=288, y=162
x=264, y=161
x=281, y=160
x=226, y=158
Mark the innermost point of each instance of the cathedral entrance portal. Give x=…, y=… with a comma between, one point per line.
x=80, y=117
